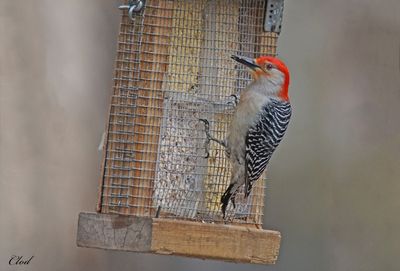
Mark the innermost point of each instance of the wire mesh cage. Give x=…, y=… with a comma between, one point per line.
x=173, y=68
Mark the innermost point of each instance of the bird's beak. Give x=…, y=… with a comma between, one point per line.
x=249, y=62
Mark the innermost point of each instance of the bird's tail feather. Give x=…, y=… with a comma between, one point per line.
x=229, y=194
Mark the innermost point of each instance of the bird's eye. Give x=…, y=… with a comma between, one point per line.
x=269, y=66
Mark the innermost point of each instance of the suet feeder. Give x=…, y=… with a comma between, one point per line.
x=158, y=193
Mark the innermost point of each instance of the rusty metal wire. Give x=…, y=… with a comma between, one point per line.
x=173, y=67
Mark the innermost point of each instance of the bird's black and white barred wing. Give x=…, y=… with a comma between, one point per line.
x=263, y=138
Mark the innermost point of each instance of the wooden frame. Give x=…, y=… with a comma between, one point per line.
x=177, y=237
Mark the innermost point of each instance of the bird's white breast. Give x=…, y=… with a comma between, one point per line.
x=250, y=104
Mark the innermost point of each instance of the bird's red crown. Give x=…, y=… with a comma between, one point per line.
x=264, y=61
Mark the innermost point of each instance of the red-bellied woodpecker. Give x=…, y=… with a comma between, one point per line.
x=258, y=125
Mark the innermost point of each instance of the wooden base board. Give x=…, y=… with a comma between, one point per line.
x=177, y=237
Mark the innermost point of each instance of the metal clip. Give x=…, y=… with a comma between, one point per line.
x=134, y=6
x=273, y=16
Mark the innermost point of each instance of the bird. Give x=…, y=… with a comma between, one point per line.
x=258, y=125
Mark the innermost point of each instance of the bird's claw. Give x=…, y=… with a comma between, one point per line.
x=236, y=100
x=206, y=125
x=208, y=137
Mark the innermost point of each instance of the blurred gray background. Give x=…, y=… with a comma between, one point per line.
x=334, y=189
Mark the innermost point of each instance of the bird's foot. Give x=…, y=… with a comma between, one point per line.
x=210, y=138
x=235, y=100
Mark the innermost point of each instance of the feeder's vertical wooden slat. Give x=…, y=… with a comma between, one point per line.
x=153, y=65
x=133, y=53
x=104, y=200
x=181, y=82
x=224, y=30
x=207, y=76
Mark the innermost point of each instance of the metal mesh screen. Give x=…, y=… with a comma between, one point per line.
x=173, y=67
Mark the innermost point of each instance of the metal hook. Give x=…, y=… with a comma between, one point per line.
x=134, y=6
